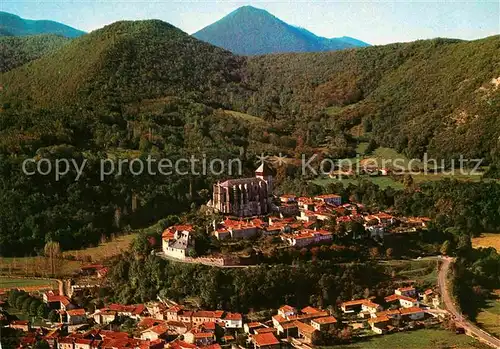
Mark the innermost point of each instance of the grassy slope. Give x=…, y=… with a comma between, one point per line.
x=420, y=339
x=6, y=282
x=489, y=317
x=104, y=250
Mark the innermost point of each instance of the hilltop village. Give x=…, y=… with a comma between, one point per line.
x=247, y=210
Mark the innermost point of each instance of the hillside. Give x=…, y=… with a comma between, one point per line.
x=18, y=50
x=13, y=25
x=438, y=96
x=252, y=31
x=133, y=60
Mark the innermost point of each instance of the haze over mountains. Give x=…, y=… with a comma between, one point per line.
x=12, y=25
x=252, y=31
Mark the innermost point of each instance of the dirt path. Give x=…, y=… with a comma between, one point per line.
x=450, y=306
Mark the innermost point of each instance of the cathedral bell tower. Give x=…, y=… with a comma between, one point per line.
x=263, y=172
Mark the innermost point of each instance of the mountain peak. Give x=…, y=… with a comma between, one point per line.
x=251, y=31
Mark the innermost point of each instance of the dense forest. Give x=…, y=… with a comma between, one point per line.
x=321, y=283
x=18, y=50
x=476, y=276
x=133, y=89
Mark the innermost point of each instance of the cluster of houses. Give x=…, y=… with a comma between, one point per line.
x=298, y=221
x=304, y=324
x=164, y=324
x=405, y=305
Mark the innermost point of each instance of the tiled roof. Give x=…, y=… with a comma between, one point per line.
x=304, y=328
x=355, y=302
x=325, y=320
x=412, y=310
x=287, y=309
x=266, y=330
x=265, y=339
x=76, y=312
x=378, y=319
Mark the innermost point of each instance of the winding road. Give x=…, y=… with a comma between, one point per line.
x=469, y=327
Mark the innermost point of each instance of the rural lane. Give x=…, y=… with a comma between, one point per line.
x=450, y=306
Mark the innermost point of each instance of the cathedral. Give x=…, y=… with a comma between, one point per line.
x=244, y=197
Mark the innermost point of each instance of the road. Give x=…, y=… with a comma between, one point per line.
x=450, y=306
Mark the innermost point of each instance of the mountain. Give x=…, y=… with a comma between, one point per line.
x=13, y=25
x=129, y=60
x=252, y=31
x=18, y=50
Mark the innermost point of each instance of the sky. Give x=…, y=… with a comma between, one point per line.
x=376, y=22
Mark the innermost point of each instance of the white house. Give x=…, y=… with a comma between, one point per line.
x=180, y=243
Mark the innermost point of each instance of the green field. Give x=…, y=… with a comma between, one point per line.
x=6, y=282
x=423, y=272
x=489, y=317
x=419, y=339
x=383, y=181
x=245, y=117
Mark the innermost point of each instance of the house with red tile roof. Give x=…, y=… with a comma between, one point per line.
x=287, y=310
x=324, y=323
x=250, y=327
x=412, y=313
x=306, y=332
x=379, y=324
x=22, y=325
x=405, y=302
x=76, y=316
x=160, y=331
x=330, y=199
x=180, y=245
x=265, y=341
x=406, y=291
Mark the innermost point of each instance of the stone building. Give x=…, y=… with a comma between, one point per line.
x=244, y=197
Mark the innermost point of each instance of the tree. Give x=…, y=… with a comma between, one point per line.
x=446, y=248
x=52, y=250
x=408, y=181
x=464, y=243
x=20, y=301
x=41, y=345
x=374, y=252
x=27, y=304
x=33, y=310
x=42, y=311
x=53, y=316
x=389, y=253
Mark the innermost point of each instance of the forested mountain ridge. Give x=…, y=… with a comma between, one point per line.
x=18, y=50
x=147, y=88
x=414, y=97
x=133, y=60
x=252, y=31
x=13, y=25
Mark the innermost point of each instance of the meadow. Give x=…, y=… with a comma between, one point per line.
x=419, y=339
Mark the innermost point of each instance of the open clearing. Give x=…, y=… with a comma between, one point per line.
x=38, y=266
x=489, y=317
x=7, y=283
x=382, y=182
x=419, y=339
x=487, y=240
x=105, y=250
